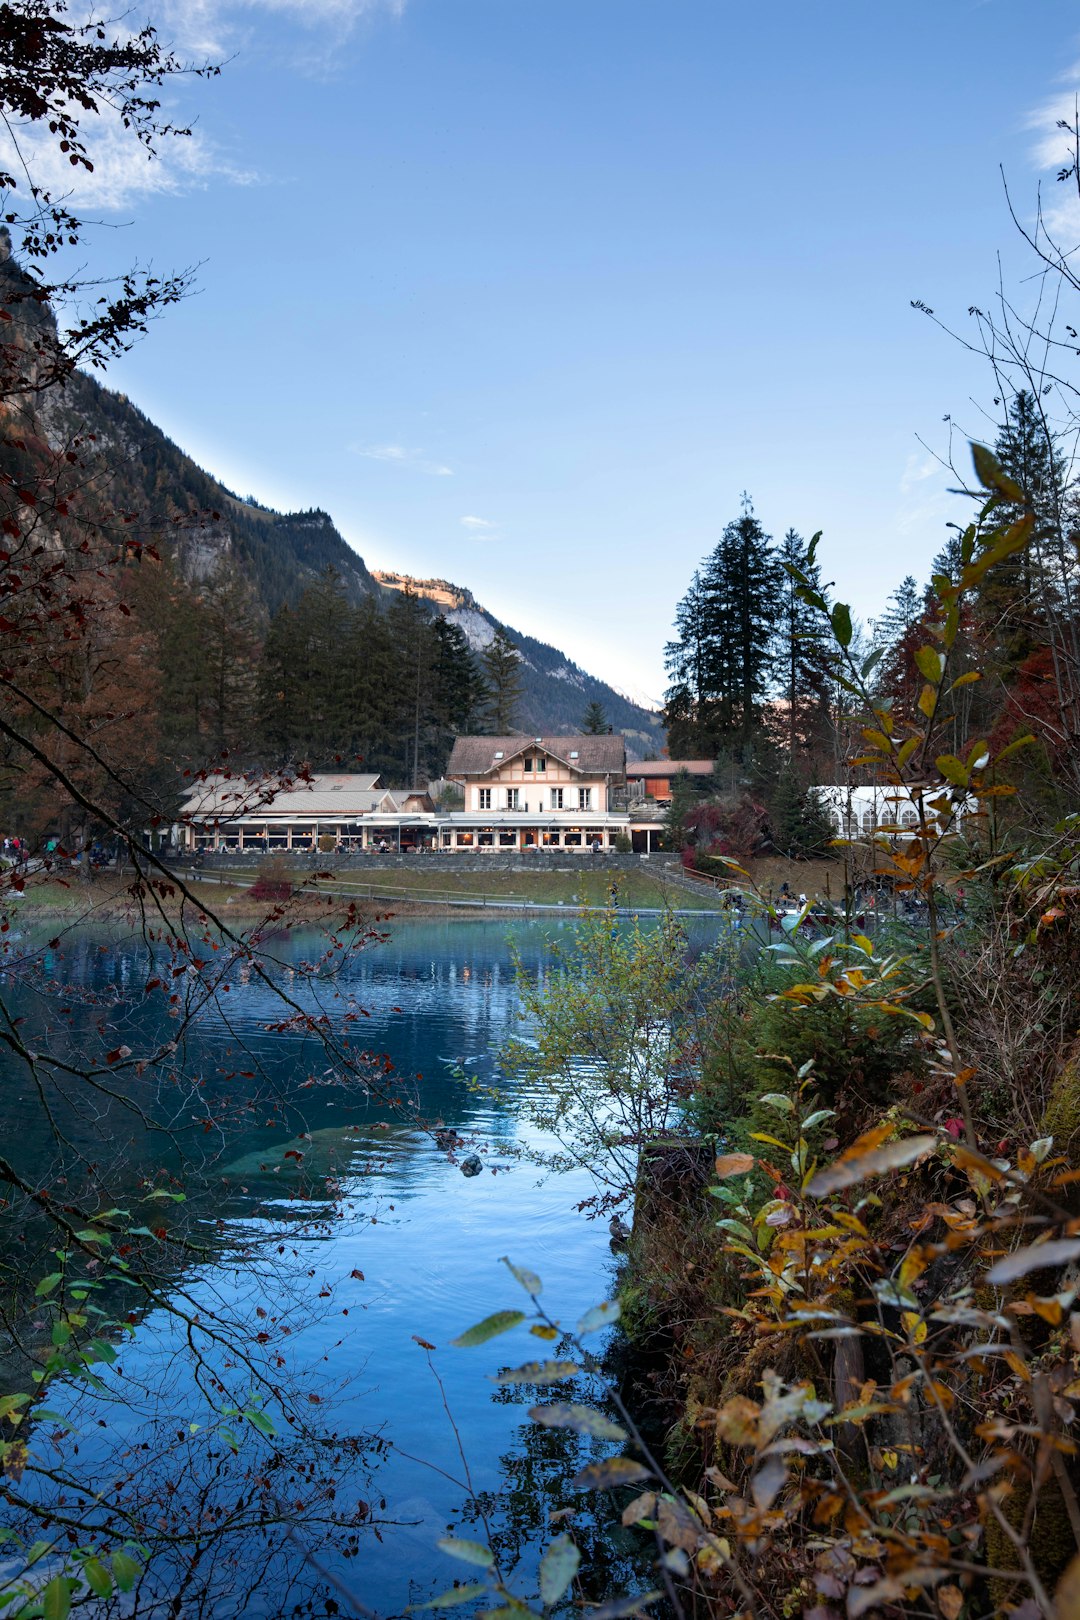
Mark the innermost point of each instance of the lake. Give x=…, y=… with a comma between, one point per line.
x=406, y=1247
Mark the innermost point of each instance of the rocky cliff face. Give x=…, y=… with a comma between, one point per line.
x=556, y=691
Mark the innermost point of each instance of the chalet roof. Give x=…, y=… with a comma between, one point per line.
x=324, y=795
x=592, y=756
x=670, y=767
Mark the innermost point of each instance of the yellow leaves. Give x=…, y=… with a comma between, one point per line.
x=928, y=701
x=1018, y=1366
x=950, y=1601
x=1067, y=1596
x=737, y=1421
x=930, y=664
x=914, y=1326
x=736, y=1164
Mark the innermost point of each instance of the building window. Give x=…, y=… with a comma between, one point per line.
x=464, y=840
x=541, y=764
x=572, y=838
x=485, y=838
x=512, y=798
x=584, y=798
x=551, y=840
x=447, y=840
x=528, y=763
x=483, y=798
x=556, y=798
x=508, y=840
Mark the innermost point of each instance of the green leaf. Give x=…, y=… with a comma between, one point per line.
x=260, y=1421
x=582, y=1419
x=606, y=1475
x=1021, y=742
x=489, y=1328
x=558, y=1567
x=451, y=1599
x=778, y=1101
x=952, y=769
x=992, y=475
x=871, y=663
x=56, y=1599
x=125, y=1570
x=528, y=1279
x=538, y=1372
x=816, y=1117
x=468, y=1552
x=739, y=1229
x=930, y=663
x=841, y=623
x=97, y=1577
x=600, y=1316
x=47, y=1284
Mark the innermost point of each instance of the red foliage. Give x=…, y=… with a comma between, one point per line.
x=1033, y=704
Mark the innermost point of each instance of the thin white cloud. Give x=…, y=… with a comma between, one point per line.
x=1053, y=150
x=399, y=455
x=477, y=523
x=215, y=27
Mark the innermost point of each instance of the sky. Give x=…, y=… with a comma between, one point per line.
x=527, y=293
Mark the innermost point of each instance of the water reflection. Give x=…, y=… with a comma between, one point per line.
x=381, y=1239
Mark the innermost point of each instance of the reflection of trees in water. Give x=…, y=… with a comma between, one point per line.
x=221, y=1159
x=537, y=1472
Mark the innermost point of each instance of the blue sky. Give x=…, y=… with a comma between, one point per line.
x=525, y=293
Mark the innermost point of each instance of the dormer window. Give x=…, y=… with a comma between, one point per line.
x=498, y=753
x=573, y=753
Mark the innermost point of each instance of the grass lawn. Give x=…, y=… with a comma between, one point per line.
x=587, y=885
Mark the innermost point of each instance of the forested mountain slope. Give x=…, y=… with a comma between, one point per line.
x=280, y=554
x=555, y=691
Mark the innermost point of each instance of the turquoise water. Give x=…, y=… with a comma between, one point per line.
x=405, y=1247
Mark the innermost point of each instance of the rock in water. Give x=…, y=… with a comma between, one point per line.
x=472, y=1166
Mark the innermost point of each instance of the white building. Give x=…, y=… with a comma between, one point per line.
x=859, y=812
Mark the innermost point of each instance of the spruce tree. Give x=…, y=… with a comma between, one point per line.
x=804, y=664
x=460, y=689
x=502, y=672
x=594, y=721
x=720, y=661
x=1019, y=596
x=902, y=610
x=799, y=819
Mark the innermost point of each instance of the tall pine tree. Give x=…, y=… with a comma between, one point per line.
x=502, y=672
x=720, y=661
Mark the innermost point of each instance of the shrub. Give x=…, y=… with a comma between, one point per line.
x=273, y=882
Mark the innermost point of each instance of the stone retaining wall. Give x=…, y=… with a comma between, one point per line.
x=461, y=861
